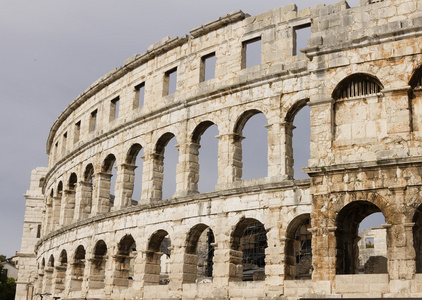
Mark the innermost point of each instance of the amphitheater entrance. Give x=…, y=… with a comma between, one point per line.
x=298, y=249
x=157, y=265
x=249, y=241
x=352, y=246
x=198, y=265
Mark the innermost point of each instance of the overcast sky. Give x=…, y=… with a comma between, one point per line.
x=51, y=51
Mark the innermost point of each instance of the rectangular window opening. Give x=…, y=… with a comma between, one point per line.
x=369, y=242
x=208, y=63
x=64, y=142
x=77, y=134
x=114, y=108
x=39, y=231
x=251, y=53
x=93, y=121
x=301, y=34
x=139, y=95
x=170, y=81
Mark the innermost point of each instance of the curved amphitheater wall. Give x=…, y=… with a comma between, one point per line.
x=359, y=74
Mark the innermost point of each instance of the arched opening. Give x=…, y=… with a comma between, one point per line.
x=41, y=273
x=298, y=249
x=251, y=142
x=198, y=265
x=164, y=177
x=108, y=183
x=87, y=191
x=133, y=172
x=125, y=258
x=358, y=95
x=248, y=242
x=298, y=139
x=157, y=265
x=204, y=161
x=349, y=242
x=98, y=264
x=78, y=269
x=415, y=98
x=61, y=269
x=417, y=238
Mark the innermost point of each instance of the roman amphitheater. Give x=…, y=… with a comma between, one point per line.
x=274, y=237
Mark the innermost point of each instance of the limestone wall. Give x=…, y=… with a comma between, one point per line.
x=361, y=76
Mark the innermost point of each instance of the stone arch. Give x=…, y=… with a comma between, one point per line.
x=357, y=85
x=248, y=242
x=347, y=222
x=107, y=182
x=158, y=165
x=158, y=245
x=416, y=78
x=194, y=158
x=289, y=120
x=78, y=269
x=124, y=261
x=239, y=149
x=98, y=265
x=199, y=254
x=298, y=248
x=132, y=172
x=357, y=95
x=73, y=179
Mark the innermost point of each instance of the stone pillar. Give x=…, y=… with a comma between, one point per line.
x=77, y=270
x=287, y=152
x=322, y=137
x=83, y=200
x=124, y=186
x=188, y=170
x=57, y=201
x=68, y=207
x=59, y=280
x=229, y=160
x=398, y=112
x=400, y=251
x=323, y=252
x=101, y=200
x=152, y=267
x=276, y=150
x=177, y=270
x=148, y=193
x=274, y=266
x=223, y=269
x=48, y=218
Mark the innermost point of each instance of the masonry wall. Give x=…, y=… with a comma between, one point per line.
x=360, y=74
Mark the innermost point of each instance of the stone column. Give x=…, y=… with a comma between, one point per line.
x=229, y=160
x=322, y=126
x=101, y=201
x=124, y=186
x=323, y=252
x=68, y=207
x=148, y=187
x=48, y=220
x=57, y=201
x=83, y=200
x=287, y=152
x=188, y=170
x=59, y=280
x=398, y=112
x=276, y=149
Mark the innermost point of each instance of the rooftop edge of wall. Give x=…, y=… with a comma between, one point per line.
x=166, y=44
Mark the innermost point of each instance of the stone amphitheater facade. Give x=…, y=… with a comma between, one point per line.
x=361, y=76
